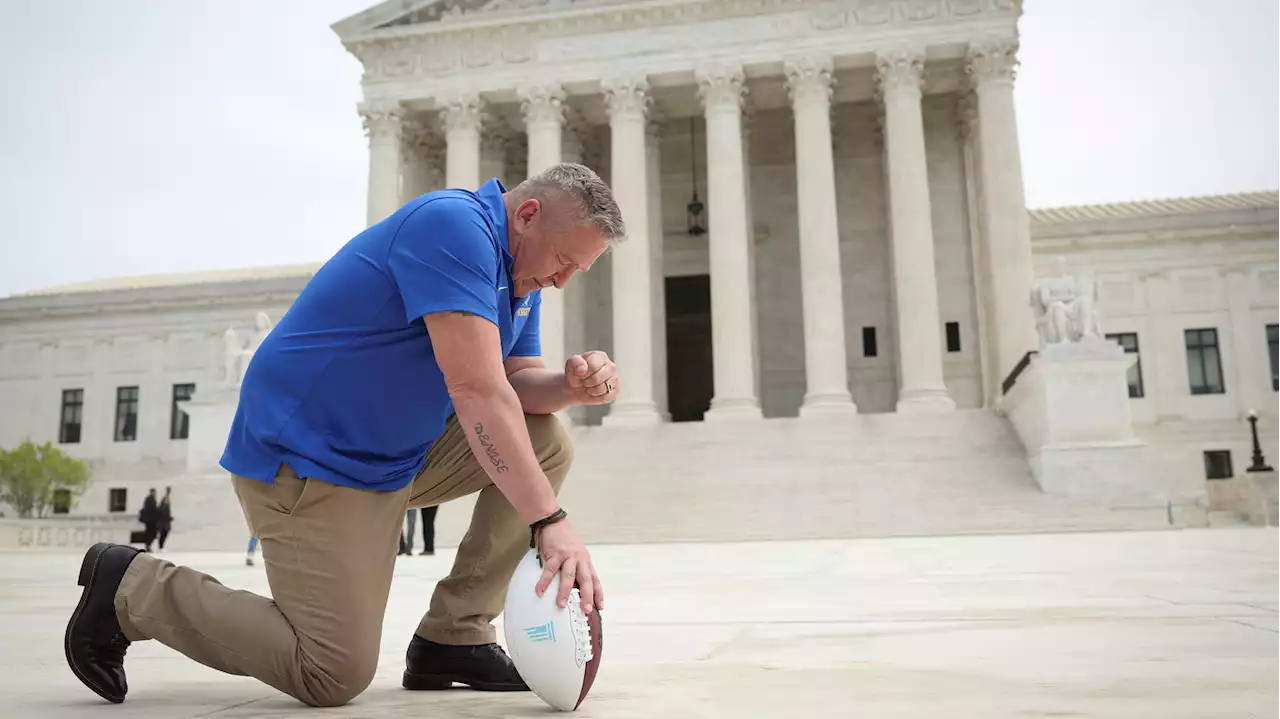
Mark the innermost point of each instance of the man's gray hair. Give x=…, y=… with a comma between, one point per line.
x=589, y=199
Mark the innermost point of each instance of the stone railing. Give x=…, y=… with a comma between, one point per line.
x=65, y=533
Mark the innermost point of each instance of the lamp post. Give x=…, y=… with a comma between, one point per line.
x=1259, y=462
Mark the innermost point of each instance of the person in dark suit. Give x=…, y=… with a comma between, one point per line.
x=428, y=532
x=150, y=518
x=164, y=521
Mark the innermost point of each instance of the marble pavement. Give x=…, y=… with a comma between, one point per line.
x=1131, y=624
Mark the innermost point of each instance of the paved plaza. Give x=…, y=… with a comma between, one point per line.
x=1137, y=624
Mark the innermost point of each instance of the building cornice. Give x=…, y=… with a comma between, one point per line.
x=1252, y=215
x=502, y=46
x=168, y=298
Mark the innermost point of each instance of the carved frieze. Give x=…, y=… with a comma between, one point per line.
x=460, y=35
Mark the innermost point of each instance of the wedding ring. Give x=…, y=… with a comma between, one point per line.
x=608, y=385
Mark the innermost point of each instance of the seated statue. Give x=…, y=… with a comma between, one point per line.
x=236, y=358
x=1066, y=307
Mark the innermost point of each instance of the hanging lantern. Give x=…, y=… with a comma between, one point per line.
x=697, y=226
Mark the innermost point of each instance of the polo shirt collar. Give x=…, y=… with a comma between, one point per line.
x=490, y=193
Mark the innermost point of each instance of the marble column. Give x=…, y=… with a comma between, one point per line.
x=809, y=84
x=657, y=238
x=721, y=90
x=991, y=68
x=627, y=102
x=543, y=110
x=967, y=127
x=914, y=274
x=462, y=117
x=382, y=124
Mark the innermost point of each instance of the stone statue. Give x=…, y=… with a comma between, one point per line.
x=236, y=357
x=1066, y=307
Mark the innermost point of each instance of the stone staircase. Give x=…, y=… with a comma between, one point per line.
x=871, y=475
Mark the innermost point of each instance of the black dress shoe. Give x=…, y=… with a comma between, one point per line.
x=431, y=666
x=94, y=644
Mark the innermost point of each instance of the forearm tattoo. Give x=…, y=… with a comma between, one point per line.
x=490, y=451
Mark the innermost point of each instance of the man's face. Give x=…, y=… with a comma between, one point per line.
x=551, y=249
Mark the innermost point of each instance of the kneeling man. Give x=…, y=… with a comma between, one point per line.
x=407, y=373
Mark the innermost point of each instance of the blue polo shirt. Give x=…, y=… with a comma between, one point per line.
x=346, y=388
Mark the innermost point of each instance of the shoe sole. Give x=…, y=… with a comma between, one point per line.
x=441, y=682
x=88, y=572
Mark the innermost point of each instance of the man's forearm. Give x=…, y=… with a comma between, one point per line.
x=541, y=390
x=495, y=428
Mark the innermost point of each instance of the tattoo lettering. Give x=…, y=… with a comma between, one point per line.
x=490, y=451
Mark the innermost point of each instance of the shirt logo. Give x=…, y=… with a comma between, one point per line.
x=522, y=311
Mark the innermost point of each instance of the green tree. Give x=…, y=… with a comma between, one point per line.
x=31, y=473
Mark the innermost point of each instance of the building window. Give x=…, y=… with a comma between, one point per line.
x=869, y=348
x=1129, y=341
x=1273, y=348
x=61, y=501
x=118, y=500
x=953, y=336
x=1204, y=363
x=72, y=415
x=126, y=414
x=179, y=422
x=1217, y=464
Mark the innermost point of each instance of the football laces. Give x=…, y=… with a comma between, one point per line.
x=580, y=628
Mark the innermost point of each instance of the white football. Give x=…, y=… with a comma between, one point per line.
x=556, y=651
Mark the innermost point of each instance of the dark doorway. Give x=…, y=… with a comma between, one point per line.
x=690, y=378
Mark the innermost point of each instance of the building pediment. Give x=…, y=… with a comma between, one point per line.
x=395, y=14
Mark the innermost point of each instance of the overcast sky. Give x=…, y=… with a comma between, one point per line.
x=143, y=136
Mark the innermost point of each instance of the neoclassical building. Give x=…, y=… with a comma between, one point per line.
x=819, y=309
x=861, y=169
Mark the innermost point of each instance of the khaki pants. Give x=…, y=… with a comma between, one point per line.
x=330, y=552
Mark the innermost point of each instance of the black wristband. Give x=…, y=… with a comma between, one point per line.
x=558, y=515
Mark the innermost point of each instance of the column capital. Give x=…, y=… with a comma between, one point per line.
x=382, y=121
x=809, y=78
x=722, y=87
x=899, y=69
x=627, y=96
x=462, y=112
x=542, y=105
x=992, y=61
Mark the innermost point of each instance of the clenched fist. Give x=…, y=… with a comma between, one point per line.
x=591, y=377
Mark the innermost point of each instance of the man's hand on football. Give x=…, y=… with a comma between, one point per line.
x=562, y=551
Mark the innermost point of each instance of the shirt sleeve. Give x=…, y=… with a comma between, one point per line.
x=443, y=259
x=529, y=343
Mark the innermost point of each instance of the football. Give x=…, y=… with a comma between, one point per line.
x=556, y=651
